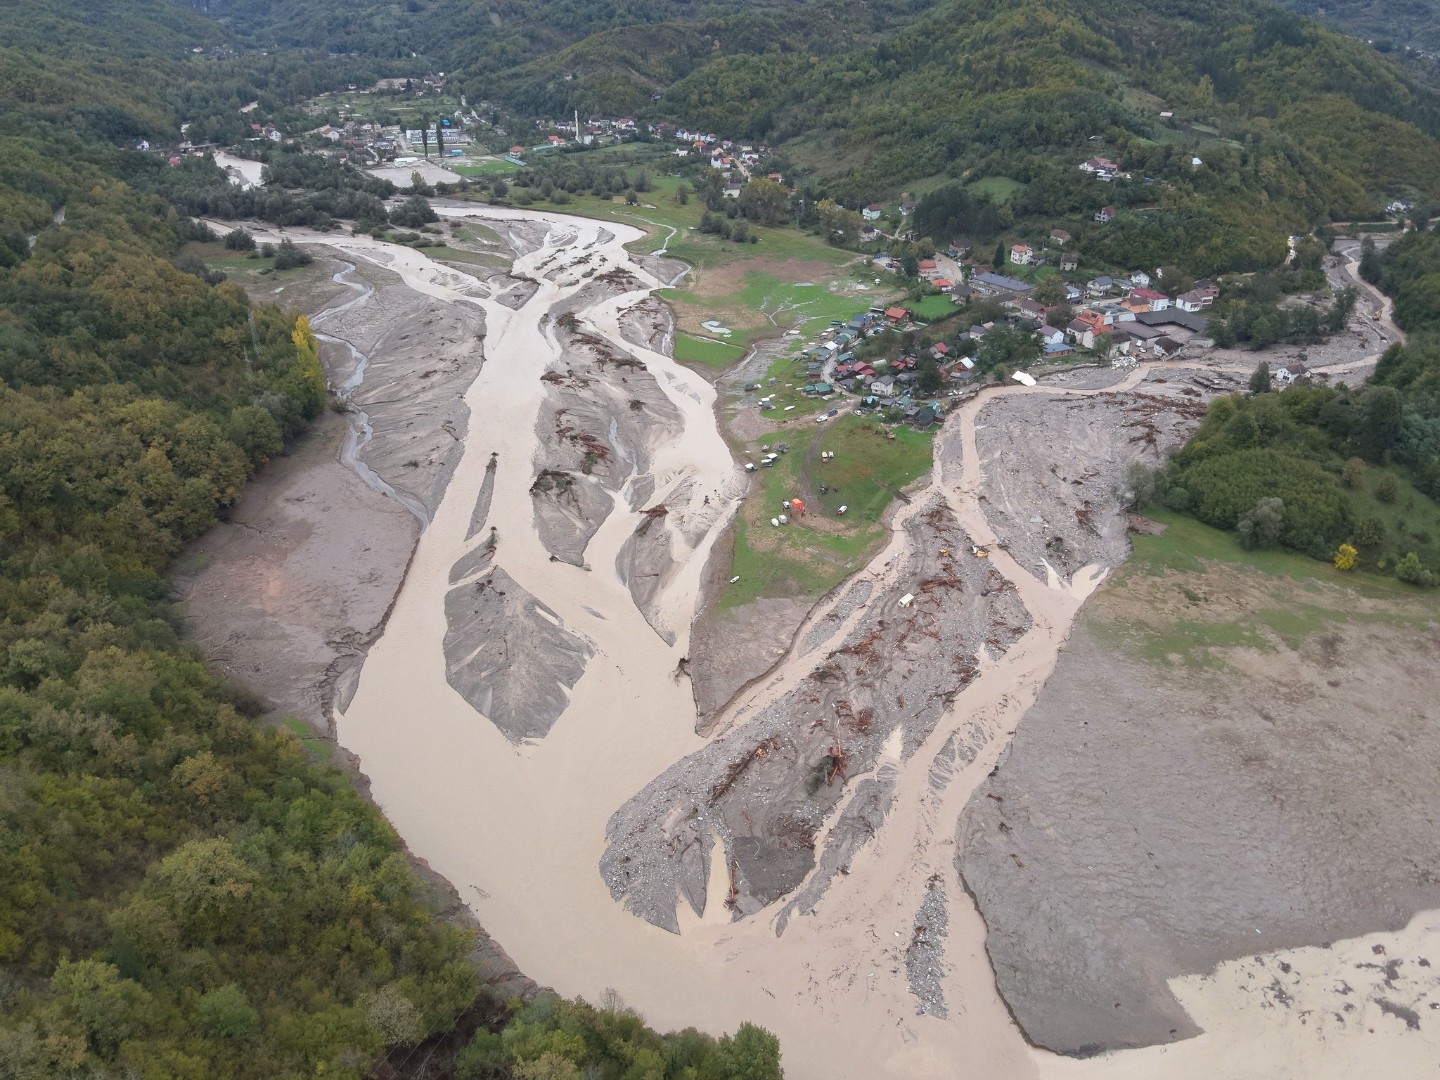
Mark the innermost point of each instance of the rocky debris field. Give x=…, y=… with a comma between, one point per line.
x=1056, y=466
x=768, y=787
x=602, y=416
x=925, y=954
x=650, y=324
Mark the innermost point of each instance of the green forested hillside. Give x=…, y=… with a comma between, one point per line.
x=181, y=892
x=876, y=97
x=1388, y=23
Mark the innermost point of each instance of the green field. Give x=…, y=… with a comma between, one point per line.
x=763, y=304
x=696, y=350
x=1201, y=595
x=486, y=168
x=316, y=747
x=1000, y=188
x=934, y=307
x=806, y=558
x=239, y=266
x=1187, y=543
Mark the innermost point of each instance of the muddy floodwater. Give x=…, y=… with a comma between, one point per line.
x=525, y=721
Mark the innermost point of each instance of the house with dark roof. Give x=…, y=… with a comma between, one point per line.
x=1174, y=317
x=996, y=284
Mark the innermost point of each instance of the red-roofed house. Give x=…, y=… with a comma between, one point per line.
x=1157, y=301
x=897, y=314
x=1021, y=255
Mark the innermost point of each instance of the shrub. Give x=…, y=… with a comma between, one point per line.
x=1412, y=572
x=239, y=240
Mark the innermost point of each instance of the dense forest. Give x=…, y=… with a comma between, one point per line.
x=879, y=96
x=1390, y=24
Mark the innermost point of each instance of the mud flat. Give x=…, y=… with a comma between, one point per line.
x=260, y=590
x=1216, y=768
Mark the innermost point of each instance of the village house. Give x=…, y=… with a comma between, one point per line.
x=998, y=285
x=1100, y=168
x=1188, y=324
x=1154, y=301
x=1194, y=300
x=1291, y=373
x=1081, y=333
x=927, y=269
x=1021, y=255
x=897, y=315
x=1029, y=310
x=873, y=212
x=1105, y=215
x=1069, y=261
x=1140, y=279
x=1050, y=335
x=1060, y=236
x=1104, y=285
x=1165, y=348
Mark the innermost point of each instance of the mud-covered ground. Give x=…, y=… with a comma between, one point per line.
x=1224, y=762
x=768, y=788
x=1056, y=467
x=291, y=588
x=262, y=592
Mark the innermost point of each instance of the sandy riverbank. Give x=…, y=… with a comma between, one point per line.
x=521, y=827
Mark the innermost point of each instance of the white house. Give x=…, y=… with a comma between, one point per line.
x=1290, y=372
x=1021, y=255
x=1194, y=300
x=872, y=212
x=1140, y=279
